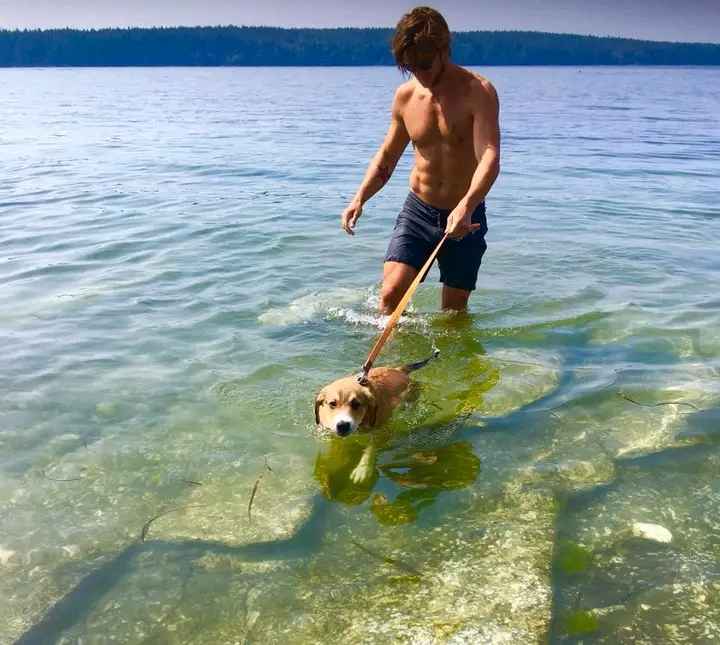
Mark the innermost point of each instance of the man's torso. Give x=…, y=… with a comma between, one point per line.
x=440, y=126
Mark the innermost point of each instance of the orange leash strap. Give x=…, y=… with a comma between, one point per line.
x=399, y=311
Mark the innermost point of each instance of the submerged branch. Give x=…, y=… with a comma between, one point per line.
x=255, y=488
x=622, y=395
x=399, y=564
x=146, y=526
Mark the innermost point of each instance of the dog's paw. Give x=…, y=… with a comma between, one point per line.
x=362, y=472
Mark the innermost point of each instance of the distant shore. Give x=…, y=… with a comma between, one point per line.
x=274, y=46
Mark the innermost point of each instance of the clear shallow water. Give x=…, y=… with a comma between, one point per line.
x=175, y=289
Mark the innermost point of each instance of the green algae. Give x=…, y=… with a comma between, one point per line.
x=581, y=622
x=573, y=558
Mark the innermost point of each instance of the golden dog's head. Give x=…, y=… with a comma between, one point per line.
x=345, y=405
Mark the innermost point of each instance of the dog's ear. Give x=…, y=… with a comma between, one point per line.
x=320, y=399
x=371, y=414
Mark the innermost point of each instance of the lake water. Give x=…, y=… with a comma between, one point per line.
x=175, y=288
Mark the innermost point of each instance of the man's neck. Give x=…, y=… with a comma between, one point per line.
x=443, y=79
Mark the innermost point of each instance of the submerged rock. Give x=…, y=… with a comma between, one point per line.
x=525, y=376
x=641, y=583
x=651, y=532
x=5, y=555
x=478, y=577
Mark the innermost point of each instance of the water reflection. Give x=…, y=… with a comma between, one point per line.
x=417, y=455
x=416, y=477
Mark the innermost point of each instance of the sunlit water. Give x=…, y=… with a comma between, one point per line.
x=175, y=288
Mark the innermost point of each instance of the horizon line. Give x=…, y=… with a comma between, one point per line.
x=235, y=26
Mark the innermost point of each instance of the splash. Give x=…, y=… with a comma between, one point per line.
x=355, y=307
x=312, y=305
x=358, y=318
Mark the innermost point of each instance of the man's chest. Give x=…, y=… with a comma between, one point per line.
x=430, y=121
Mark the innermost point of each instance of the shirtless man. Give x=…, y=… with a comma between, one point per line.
x=451, y=117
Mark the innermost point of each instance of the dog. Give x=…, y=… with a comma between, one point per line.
x=364, y=403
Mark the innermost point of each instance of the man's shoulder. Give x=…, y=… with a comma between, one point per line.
x=481, y=90
x=403, y=94
x=405, y=91
x=480, y=85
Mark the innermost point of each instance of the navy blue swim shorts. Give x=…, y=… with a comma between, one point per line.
x=419, y=228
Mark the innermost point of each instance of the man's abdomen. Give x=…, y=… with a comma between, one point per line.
x=442, y=181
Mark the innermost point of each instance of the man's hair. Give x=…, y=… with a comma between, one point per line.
x=420, y=35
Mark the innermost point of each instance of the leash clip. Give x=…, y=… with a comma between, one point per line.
x=362, y=377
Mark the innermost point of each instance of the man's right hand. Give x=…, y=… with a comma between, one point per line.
x=350, y=217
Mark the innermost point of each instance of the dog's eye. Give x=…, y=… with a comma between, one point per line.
x=355, y=404
x=332, y=404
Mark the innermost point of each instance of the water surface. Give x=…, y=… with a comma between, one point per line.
x=176, y=288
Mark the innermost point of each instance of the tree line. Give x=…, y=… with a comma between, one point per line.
x=272, y=46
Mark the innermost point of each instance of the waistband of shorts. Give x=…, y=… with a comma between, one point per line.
x=434, y=210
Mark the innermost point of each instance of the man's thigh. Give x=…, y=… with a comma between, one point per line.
x=398, y=276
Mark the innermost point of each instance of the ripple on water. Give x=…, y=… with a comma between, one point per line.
x=162, y=324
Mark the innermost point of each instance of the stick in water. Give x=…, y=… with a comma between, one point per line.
x=255, y=488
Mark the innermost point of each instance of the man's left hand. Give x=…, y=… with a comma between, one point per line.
x=459, y=223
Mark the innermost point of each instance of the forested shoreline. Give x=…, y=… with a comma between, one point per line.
x=274, y=46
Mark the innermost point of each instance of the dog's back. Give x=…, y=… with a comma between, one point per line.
x=390, y=385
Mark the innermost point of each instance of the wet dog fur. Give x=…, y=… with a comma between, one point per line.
x=354, y=404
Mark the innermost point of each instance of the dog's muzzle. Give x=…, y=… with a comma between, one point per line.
x=343, y=428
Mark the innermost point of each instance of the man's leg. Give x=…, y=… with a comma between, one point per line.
x=454, y=299
x=397, y=277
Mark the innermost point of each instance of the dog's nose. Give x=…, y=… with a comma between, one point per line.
x=343, y=428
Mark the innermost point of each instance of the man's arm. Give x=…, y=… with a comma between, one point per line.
x=382, y=165
x=486, y=141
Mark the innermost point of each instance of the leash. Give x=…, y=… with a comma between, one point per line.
x=390, y=325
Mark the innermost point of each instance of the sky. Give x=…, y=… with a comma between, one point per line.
x=673, y=20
